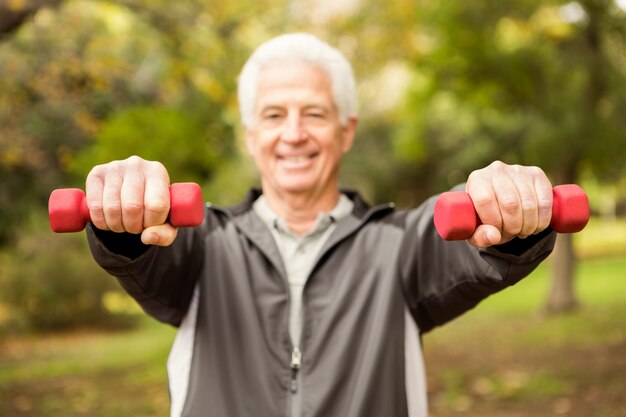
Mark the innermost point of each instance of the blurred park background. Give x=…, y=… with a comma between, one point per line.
x=445, y=88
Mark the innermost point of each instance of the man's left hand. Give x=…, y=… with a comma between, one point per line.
x=511, y=201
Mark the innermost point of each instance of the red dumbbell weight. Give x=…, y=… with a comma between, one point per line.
x=68, y=212
x=456, y=218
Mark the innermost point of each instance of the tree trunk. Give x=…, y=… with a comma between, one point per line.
x=562, y=295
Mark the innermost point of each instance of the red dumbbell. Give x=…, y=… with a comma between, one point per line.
x=456, y=219
x=68, y=212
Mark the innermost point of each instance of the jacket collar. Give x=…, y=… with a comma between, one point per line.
x=255, y=229
x=361, y=210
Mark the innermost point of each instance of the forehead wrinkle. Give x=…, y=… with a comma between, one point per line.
x=286, y=86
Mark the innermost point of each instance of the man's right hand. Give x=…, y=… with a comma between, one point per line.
x=131, y=196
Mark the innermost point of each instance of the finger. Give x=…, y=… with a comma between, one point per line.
x=485, y=236
x=111, y=201
x=543, y=190
x=509, y=205
x=160, y=235
x=94, y=187
x=156, y=195
x=528, y=203
x=483, y=197
x=131, y=195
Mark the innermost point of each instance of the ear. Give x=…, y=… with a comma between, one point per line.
x=348, y=133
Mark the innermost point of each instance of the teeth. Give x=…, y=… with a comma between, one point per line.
x=296, y=158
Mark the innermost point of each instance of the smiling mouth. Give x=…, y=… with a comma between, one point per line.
x=297, y=158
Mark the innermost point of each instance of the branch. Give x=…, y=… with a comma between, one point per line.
x=14, y=13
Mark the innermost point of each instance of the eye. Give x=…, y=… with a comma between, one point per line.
x=315, y=115
x=272, y=116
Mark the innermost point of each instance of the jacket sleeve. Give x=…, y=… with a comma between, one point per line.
x=444, y=279
x=160, y=279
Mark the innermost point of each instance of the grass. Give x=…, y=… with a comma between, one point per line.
x=86, y=373
x=48, y=356
x=602, y=238
x=506, y=358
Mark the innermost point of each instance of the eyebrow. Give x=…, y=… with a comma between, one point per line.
x=270, y=107
x=322, y=107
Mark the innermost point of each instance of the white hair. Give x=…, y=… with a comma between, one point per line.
x=302, y=47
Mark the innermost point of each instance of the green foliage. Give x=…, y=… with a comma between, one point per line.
x=532, y=82
x=50, y=282
x=188, y=144
x=526, y=82
x=60, y=76
x=72, y=71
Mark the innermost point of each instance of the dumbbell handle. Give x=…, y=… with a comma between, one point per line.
x=456, y=219
x=68, y=212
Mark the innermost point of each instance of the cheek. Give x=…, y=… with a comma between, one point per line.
x=264, y=155
x=257, y=145
x=338, y=147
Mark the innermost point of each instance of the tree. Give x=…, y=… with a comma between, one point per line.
x=533, y=82
x=98, y=79
x=14, y=14
x=65, y=73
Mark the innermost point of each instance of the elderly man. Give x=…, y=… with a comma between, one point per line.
x=303, y=300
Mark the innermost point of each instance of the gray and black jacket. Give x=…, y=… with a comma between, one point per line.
x=383, y=278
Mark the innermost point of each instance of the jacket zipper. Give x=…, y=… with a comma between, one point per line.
x=295, y=365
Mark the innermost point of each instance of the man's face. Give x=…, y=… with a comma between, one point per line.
x=295, y=136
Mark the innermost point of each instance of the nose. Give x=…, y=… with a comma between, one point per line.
x=293, y=130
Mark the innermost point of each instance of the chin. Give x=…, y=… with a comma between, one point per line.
x=296, y=189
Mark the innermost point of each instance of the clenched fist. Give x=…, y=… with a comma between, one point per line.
x=131, y=196
x=511, y=201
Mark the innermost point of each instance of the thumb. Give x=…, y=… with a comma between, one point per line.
x=160, y=235
x=485, y=236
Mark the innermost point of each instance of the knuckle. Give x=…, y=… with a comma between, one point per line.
x=157, y=207
x=133, y=163
x=132, y=208
x=498, y=165
x=158, y=168
x=95, y=204
x=472, y=176
x=544, y=204
x=481, y=201
x=134, y=160
x=529, y=205
x=112, y=208
x=156, y=165
x=510, y=205
x=96, y=171
x=538, y=175
x=115, y=169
